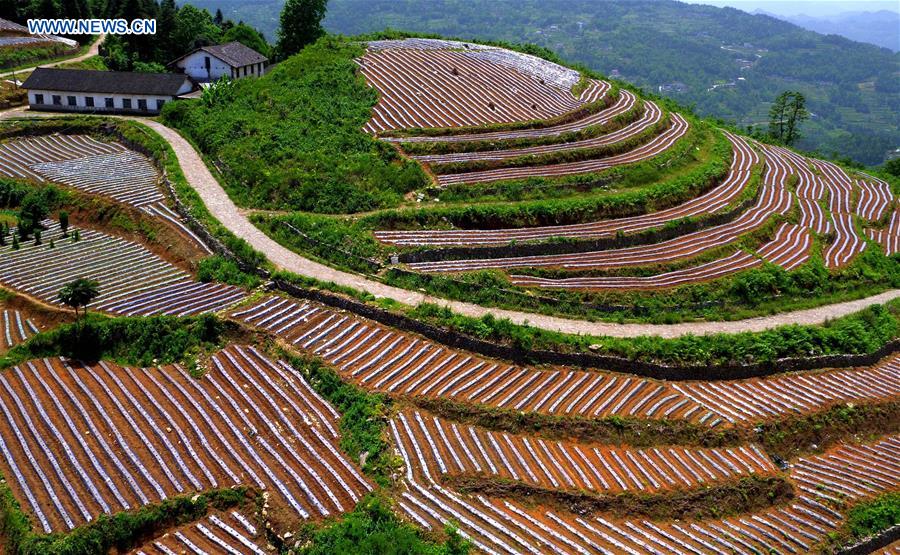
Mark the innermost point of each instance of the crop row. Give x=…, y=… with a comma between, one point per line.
x=677, y=128
x=79, y=441
x=743, y=160
x=773, y=200
x=160, y=210
x=17, y=156
x=229, y=534
x=501, y=526
x=459, y=449
x=384, y=359
x=651, y=116
x=82, y=162
x=528, y=64
x=132, y=280
x=450, y=88
x=890, y=237
x=790, y=248
x=127, y=177
x=16, y=328
x=597, y=90
x=796, y=393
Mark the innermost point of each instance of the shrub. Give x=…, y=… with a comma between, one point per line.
x=223, y=270
x=137, y=341
x=363, y=417
x=373, y=529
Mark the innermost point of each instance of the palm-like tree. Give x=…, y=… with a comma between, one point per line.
x=79, y=293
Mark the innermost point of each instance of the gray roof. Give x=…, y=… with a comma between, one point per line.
x=115, y=82
x=11, y=26
x=234, y=54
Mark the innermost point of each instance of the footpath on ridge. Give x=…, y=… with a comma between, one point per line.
x=223, y=209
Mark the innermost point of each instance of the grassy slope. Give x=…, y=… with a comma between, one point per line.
x=293, y=139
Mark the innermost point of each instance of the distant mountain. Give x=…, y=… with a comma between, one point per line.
x=725, y=62
x=881, y=28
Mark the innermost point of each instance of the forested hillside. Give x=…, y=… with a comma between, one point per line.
x=725, y=62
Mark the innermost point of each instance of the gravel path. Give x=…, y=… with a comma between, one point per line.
x=224, y=210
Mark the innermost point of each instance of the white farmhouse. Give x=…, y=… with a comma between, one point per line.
x=81, y=90
x=209, y=63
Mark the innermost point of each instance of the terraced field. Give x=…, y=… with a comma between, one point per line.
x=743, y=161
x=826, y=207
x=496, y=525
x=519, y=458
x=85, y=163
x=119, y=438
x=232, y=533
x=133, y=281
x=384, y=359
x=426, y=83
x=467, y=450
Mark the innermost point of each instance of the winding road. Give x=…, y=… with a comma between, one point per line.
x=223, y=209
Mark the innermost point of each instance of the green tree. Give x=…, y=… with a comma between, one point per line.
x=45, y=9
x=893, y=167
x=64, y=222
x=776, y=116
x=193, y=28
x=79, y=293
x=301, y=24
x=248, y=36
x=148, y=67
x=785, y=116
x=796, y=114
x=35, y=207
x=165, y=27
x=12, y=10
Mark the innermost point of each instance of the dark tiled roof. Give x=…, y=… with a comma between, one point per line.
x=11, y=26
x=235, y=54
x=116, y=82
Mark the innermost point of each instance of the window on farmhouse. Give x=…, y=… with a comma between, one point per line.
x=160, y=104
x=126, y=103
x=71, y=101
x=38, y=99
x=109, y=103
x=142, y=104
x=57, y=100
x=89, y=101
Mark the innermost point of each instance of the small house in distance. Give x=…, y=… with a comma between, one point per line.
x=209, y=63
x=82, y=90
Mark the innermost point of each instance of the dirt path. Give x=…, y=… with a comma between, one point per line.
x=92, y=51
x=232, y=217
x=221, y=206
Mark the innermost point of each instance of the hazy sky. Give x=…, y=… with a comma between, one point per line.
x=820, y=8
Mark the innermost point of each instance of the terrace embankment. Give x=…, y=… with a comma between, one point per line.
x=746, y=495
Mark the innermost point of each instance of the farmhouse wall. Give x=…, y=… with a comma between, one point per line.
x=81, y=103
x=194, y=65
